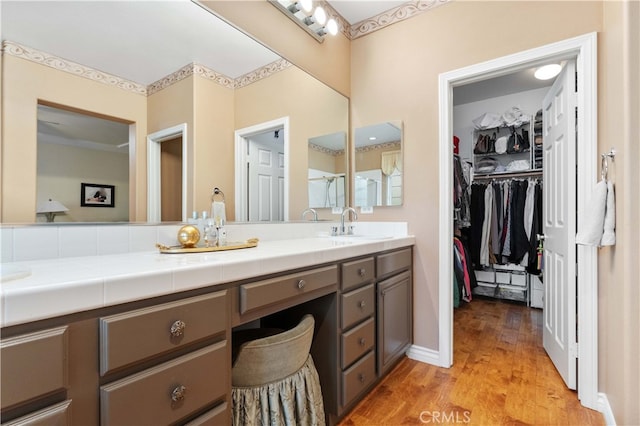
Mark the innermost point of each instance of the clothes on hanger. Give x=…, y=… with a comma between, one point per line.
x=506, y=217
x=461, y=192
x=464, y=278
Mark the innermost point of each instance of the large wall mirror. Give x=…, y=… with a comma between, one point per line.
x=85, y=83
x=378, y=165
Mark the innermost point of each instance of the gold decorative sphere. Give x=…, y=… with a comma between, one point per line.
x=188, y=236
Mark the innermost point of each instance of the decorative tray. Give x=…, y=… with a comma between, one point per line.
x=252, y=242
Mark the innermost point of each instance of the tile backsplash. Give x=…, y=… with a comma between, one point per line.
x=35, y=242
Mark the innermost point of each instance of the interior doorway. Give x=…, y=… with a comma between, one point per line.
x=176, y=182
x=262, y=172
x=583, y=50
x=171, y=180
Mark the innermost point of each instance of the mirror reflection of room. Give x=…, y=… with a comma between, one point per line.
x=209, y=98
x=76, y=148
x=327, y=171
x=378, y=166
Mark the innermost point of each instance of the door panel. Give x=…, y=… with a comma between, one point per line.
x=266, y=181
x=559, y=145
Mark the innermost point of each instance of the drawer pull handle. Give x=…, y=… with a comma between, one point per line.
x=362, y=304
x=177, y=328
x=361, y=377
x=362, y=272
x=362, y=341
x=178, y=393
x=301, y=284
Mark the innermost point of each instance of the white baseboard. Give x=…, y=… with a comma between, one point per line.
x=425, y=355
x=605, y=408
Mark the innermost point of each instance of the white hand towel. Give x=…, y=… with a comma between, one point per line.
x=591, y=221
x=609, y=234
x=218, y=213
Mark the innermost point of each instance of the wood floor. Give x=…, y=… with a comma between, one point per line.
x=501, y=376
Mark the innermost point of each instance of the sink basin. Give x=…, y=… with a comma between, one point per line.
x=13, y=272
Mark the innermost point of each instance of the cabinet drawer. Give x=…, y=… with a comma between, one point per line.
x=33, y=365
x=217, y=416
x=58, y=415
x=519, y=280
x=168, y=392
x=358, y=378
x=263, y=293
x=357, y=272
x=357, y=305
x=133, y=336
x=357, y=341
x=392, y=262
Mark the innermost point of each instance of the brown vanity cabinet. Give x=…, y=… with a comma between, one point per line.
x=357, y=325
x=195, y=378
x=394, y=307
x=34, y=369
x=168, y=360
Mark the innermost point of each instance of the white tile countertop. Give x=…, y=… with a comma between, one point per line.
x=44, y=288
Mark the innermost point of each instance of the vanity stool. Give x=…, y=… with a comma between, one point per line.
x=274, y=380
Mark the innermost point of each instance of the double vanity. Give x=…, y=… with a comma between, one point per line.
x=141, y=337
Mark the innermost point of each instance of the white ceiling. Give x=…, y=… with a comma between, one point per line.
x=142, y=41
x=355, y=11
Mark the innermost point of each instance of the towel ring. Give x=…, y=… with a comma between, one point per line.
x=217, y=193
x=604, y=167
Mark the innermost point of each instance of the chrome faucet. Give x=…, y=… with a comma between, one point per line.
x=315, y=214
x=346, y=211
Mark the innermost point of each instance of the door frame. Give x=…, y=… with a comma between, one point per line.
x=242, y=137
x=584, y=50
x=154, y=189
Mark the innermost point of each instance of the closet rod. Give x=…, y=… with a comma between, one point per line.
x=508, y=175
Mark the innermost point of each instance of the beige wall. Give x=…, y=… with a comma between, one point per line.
x=329, y=61
x=214, y=144
x=371, y=159
x=319, y=111
x=619, y=127
x=61, y=170
x=173, y=106
x=395, y=75
x=24, y=84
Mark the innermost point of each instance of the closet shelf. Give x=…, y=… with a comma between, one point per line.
x=504, y=175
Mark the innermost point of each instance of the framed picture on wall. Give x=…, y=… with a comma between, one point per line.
x=97, y=195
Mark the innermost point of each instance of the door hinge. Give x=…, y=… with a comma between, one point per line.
x=573, y=350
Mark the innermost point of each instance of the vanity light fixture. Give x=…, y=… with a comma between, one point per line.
x=313, y=20
x=547, y=72
x=50, y=208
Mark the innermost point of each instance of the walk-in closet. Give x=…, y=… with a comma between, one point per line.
x=498, y=190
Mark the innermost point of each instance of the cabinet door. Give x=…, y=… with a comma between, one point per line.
x=394, y=319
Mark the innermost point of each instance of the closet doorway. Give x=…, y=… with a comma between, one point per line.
x=582, y=50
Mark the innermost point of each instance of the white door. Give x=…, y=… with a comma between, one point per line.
x=559, y=206
x=266, y=180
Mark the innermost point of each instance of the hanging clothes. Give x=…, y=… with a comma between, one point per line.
x=461, y=193
x=506, y=218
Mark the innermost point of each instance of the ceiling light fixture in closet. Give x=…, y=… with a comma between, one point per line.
x=547, y=72
x=313, y=20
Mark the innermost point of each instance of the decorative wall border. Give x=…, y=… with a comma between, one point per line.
x=61, y=64
x=391, y=16
x=52, y=61
x=385, y=145
x=325, y=150
x=260, y=73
